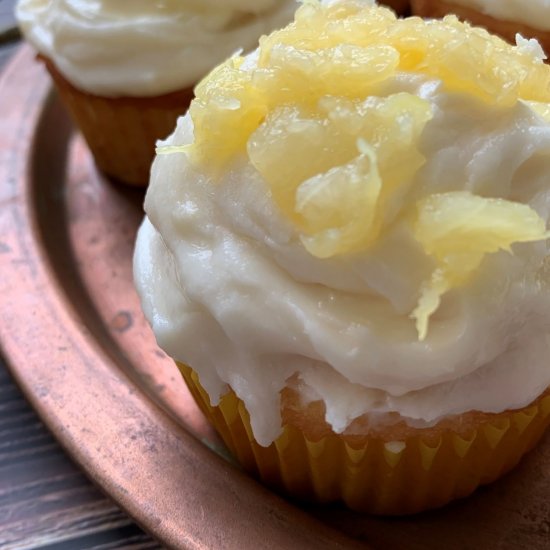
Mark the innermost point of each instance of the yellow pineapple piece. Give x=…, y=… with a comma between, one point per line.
x=339, y=157
x=227, y=109
x=339, y=198
x=458, y=229
x=346, y=50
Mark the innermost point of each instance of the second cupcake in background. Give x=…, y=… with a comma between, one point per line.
x=126, y=70
x=530, y=18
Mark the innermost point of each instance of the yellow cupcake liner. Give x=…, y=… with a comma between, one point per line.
x=373, y=475
x=122, y=132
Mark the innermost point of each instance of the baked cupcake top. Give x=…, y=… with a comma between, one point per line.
x=362, y=202
x=145, y=47
x=535, y=13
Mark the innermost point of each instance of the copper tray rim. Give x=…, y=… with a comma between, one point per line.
x=30, y=294
x=136, y=442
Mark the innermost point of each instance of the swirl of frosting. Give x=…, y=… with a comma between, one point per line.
x=366, y=188
x=535, y=13
x=145, y=47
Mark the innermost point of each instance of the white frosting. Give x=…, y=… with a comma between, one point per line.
x=535, y=13
x=230, y=290
x=145, y=47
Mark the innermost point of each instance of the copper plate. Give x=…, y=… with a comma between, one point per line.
x=72, y=331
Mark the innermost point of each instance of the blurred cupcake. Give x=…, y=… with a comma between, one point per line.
x=126, y=70
x=336, y=280
x=530, y=18
x=399, y=6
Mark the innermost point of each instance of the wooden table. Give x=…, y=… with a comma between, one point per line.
x=45, y=500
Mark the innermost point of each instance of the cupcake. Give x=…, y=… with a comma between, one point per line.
x=345, y=251
x=126, y=70
x=530, y=18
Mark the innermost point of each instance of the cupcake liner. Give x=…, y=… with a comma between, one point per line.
x=505, y=29
x=121, y=132
x=371, y=474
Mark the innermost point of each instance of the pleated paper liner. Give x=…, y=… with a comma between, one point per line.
x=121, y=132
x=436, y=9
x=371, y=474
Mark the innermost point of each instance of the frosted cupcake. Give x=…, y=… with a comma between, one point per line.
x=530, y=18
x=126, y=70
x=345, y=250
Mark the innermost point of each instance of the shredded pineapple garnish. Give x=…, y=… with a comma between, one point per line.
x=337, y=154
x=346, y=50
x=338, y=198
x=458, y=229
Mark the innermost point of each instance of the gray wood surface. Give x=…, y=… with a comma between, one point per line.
x=8, y=28
x=45, y=500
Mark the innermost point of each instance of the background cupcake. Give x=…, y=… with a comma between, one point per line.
x=126, y=70
x=400, y=6
x=357, y=328
x=530, y=18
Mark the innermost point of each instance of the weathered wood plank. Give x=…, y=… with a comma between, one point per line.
x=46, y=502
x=7, y=20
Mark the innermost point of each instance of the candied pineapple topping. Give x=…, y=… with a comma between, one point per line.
x=340, y=155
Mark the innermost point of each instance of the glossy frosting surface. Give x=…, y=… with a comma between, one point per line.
x=535, y=13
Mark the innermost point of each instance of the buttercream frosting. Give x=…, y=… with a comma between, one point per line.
x=535, y=13
x=231, y=288
x=145, y=47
